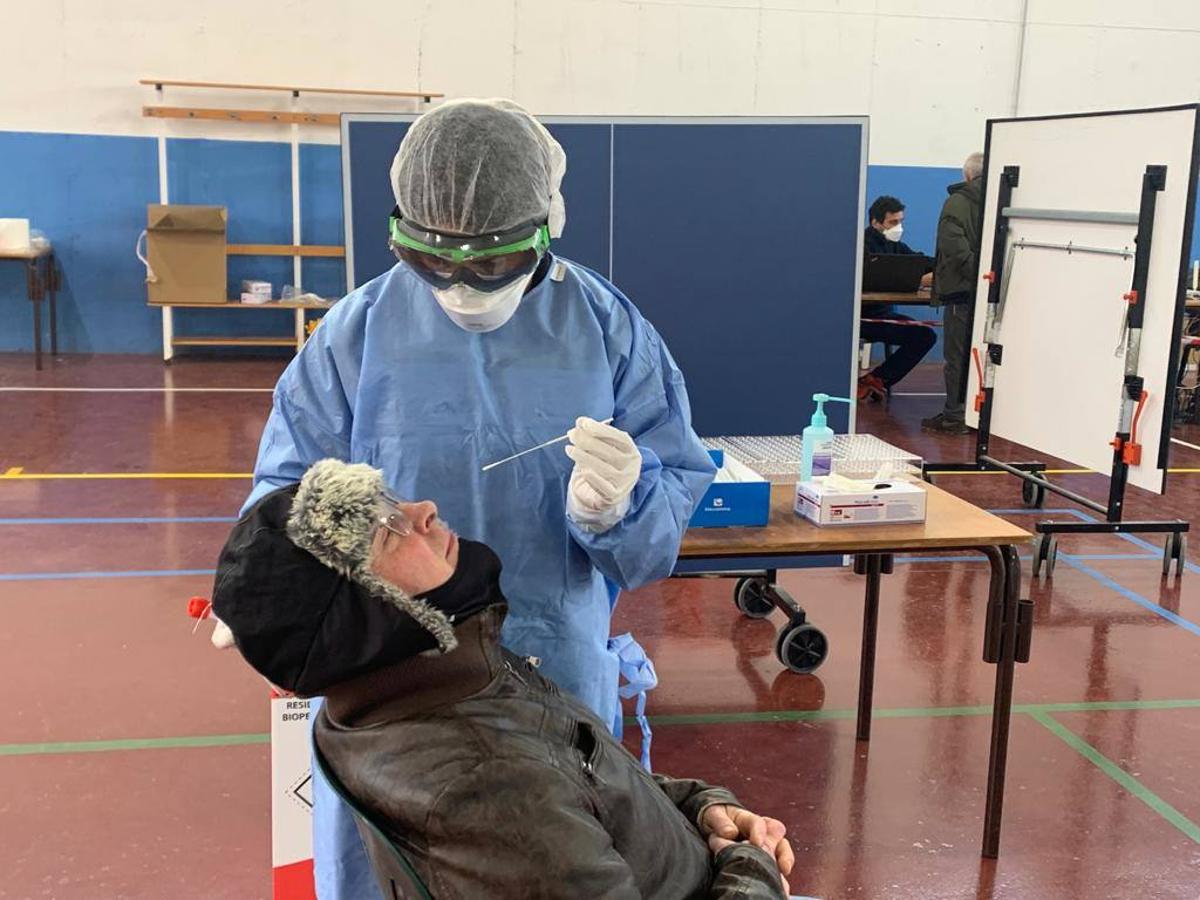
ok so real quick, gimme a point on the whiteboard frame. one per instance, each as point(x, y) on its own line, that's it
point(1164, 381)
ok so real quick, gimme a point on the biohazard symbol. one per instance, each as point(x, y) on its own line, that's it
point(301, 793)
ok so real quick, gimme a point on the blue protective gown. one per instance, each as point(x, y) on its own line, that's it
point(389, 380)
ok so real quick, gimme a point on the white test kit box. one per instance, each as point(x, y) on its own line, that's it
point(845, 502)
point(256, 291)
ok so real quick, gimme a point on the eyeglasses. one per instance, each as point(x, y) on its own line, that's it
point(486, 263)
point(389, 515)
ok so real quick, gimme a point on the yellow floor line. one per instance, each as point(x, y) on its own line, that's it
point(1052, 472)
point(13, 472)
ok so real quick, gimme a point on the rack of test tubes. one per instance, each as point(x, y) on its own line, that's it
point(855, 456)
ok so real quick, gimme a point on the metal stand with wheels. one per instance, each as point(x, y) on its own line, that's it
point(1126, 449)
point(800, 645)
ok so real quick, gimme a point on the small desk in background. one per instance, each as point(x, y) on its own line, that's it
point(41, 279)
point(916, 298)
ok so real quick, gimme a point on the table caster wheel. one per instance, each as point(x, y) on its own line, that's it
point(750, 596)
point(802, 648)
point(1046, 552)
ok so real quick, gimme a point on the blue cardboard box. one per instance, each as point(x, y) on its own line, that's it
point(745, 502)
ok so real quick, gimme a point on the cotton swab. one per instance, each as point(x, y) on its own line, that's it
point(550, 443)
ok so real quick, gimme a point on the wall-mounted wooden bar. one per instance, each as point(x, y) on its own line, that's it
point(285, 250)
point(256, 116)
point(416, 95)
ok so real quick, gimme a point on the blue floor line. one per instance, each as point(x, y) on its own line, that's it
point(148, 573)
point(130, 520)
point(981, 559)
point(1129, 594)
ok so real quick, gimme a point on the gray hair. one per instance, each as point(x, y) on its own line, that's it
point(973, 166)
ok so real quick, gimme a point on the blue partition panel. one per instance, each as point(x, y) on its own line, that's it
point(740, 242)
point(739, 239)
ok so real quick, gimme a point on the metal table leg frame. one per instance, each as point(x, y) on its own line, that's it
point(873, 566)
point(1006, 641)
point(53, 283)
point(34, 287)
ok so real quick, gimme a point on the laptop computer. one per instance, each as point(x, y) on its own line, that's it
point(894, 273)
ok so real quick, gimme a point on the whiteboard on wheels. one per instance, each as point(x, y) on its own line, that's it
point(1059, 387)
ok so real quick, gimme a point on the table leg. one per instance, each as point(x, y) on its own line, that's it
point(33, 287)
point(873, 566)
point(1005, 587)
point(52, 286)
point(168, 334)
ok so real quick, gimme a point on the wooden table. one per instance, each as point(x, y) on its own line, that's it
point(41, 279)
point(951, 524)
point(916, 298)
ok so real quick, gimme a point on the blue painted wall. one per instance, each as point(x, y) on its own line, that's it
point(89, 193)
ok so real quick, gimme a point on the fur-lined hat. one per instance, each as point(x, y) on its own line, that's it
point(294, 585)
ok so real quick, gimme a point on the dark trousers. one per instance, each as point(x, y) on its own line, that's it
point(956, 343)
point(912, 342)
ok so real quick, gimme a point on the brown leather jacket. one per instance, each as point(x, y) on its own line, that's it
point(496, 786)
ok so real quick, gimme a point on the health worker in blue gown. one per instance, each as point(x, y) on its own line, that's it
point(478, 344)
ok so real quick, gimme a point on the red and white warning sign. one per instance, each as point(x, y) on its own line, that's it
point(291, 800)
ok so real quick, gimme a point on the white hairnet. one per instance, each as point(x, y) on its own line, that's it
point(973, 166)
point(479, 166)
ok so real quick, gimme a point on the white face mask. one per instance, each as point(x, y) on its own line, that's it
point(473, 310)
point(894, 233)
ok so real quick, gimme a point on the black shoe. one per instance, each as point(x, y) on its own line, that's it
point(942, 425)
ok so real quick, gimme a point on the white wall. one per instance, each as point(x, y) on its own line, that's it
point(928, 72)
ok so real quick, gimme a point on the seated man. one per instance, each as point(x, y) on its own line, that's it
point(912, 342)
point(490, 781)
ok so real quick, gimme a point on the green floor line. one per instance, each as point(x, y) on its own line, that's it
point(784, 715)
point(1119, 775)
point(1105, 705)
point(825, 715)
point(203, 740)
point(812, 715)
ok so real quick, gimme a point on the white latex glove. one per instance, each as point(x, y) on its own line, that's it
point(607, 466)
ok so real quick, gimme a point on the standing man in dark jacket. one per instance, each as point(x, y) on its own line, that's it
point(956, 277)
point(487, 778)
point(912, 342)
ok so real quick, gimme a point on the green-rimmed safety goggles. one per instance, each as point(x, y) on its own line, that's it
point(486, 263)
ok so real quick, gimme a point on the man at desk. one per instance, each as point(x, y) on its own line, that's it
point(912, 342)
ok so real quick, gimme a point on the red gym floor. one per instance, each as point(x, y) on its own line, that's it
point(134, 757)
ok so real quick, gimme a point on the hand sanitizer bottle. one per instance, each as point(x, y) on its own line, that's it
point(816, 446)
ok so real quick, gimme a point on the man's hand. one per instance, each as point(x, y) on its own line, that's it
point(927, 280)
point(724, 825)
